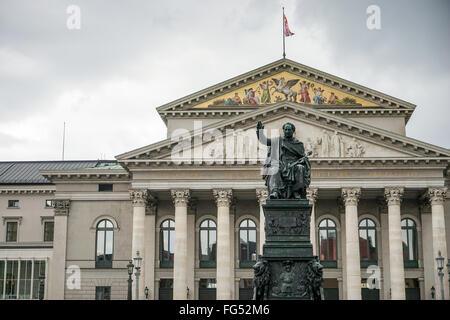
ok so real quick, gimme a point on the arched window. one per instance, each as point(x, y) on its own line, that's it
point(247, 243)
point(208, 244)
point(327, 243)
point(409, 237)
point(104, 244)
point(166, 243)
point(367, 242)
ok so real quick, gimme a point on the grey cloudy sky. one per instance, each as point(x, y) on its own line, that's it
point(129, 57)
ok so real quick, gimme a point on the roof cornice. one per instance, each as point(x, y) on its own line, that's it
point(324, 78)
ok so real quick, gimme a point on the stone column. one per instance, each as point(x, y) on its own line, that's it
point(350, 197)
point(139, 201)
point(436, 197)
point(427, 243)
point(384, 222)
point(191, 257)
point(180, 199)
point(312, 194)
point(150, 248)
point(397, 272)
point(262, 195)
point(57, 281)
point(223, 278)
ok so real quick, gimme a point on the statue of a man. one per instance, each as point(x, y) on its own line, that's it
point(287, 170)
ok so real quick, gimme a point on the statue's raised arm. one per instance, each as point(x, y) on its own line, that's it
point(260, 134)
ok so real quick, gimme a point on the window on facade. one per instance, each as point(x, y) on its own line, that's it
point(11, 231)
point(367, 242)
point(105, 187)
point(13, 203)
point(166, 240)
point(104, 244)
point(49, 203)
point(409, 237)
point(327, 243)
point(22, 279)
point(102, 293)
point(48, 230)
point(247, 243)
point(208, 244)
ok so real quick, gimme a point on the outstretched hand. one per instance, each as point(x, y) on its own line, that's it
point(259, 126)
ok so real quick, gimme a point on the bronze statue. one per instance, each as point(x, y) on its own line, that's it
point(261, 279)
point(287, 170)
point(315, 276)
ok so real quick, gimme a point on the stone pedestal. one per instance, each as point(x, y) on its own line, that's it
point(288, 250)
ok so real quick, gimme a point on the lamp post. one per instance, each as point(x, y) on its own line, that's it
point(448, 269)
point(41, 286)
point(146, 292)
point(130, 267)
point(137, 265)
point(433, 292)
point(440, 267)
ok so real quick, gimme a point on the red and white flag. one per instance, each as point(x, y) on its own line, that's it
point(287, 32)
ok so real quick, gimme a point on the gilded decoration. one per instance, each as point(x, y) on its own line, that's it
point(285, 86)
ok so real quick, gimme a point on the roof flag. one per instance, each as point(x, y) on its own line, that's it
point(286, 33)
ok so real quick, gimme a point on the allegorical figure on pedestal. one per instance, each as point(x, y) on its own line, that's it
point(287, 170)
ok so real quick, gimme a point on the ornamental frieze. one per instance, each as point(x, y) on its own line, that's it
point(292, 223)
point(334, 144)
point(61, 207)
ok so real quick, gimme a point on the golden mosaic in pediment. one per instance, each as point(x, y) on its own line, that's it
point(285, 86)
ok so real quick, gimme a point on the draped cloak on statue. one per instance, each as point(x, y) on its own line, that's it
point(286, 164)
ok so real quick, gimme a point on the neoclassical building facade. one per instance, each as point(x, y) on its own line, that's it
point(191, 205)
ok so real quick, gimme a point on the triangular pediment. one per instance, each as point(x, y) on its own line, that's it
point(285, 80)
point(326, 135)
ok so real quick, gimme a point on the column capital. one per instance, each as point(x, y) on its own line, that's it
point(312, 194)
point(152, 205)
point(138, 197)
point(350, 196)
point(436, 195)
point(393, 195)
point(180, 197)
point(262, 195)
point(223, 197)
point(61, 207)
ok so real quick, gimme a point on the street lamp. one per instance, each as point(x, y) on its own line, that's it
point(130, 267)
point(187, 292)
point(146, 292)
point(137, 265)
point(440, 267)
point(41, 286)
point(448, 269)
point(433, 292)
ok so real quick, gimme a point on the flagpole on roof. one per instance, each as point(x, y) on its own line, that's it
point(284, 36)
